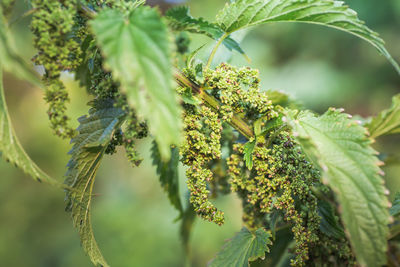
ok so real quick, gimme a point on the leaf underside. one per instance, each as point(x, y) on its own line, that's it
point(388, 121)
point(350, 166)
point(245, 246)
point(246, 13)
point(137, 50)
point(95, 132)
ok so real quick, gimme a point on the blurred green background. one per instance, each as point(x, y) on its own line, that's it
point(133, 221)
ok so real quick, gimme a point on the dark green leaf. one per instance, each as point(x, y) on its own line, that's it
point(169, 175)
point(350, 166)
point(395, 209)
point(181, 20)
point(387, 122)
point(246, 13)
point(329, 222)
point(245, 246)
point(137, 51)
point(95, 132)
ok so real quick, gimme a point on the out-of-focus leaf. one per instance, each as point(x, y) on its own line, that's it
point(137, 51)
point(349, 165)
point(245, 246)
point(388, 121)
point(10, 59)
point(246, 13)
point(10, 148)
point(95, 132)
point(169, 175)
point(395, 209)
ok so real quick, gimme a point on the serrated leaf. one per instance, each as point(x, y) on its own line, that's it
point(10, 148)
point(329, 222)
point(246, 13)
point(395, 209)
point(180, 19)
point(94, 134)
point(245, 246)
point(248, 153)
point(10, 59)
point(387, 122)
point(137, 51)
point(169, 175)
point(350, 166)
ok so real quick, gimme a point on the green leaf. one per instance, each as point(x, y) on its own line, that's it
point(169, 175)
point(137, 51)
point(350, 166)
point(180, 20)
point(246, 13)
point(329, 222)
point(248, 153)
point(388, 121)
point(95, 132)
point(245, 246)
point(10, 148)
point(395, 209)
point(10, 59)
point(186, 227)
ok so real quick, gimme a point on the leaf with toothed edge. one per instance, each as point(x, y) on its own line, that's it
point(136, 47)
point(169, 176)
point(94, 134)
point(387, 122)
point(246, 13)
point(180, 19)
point(248, 153)
point(245, 246)
point(340, 147)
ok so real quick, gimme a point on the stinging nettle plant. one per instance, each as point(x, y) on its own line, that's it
point(309, 183)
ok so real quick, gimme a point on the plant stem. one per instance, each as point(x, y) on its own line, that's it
point(236, 122)
point(214, 51)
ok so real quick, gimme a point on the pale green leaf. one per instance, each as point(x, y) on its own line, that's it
point(245, 246)
point(387, 122)
point(169, 175)
point(94, 134)
point(246, 13)
point(10, 148)
point(137, 50)
point(10, 59)
point(350, 167)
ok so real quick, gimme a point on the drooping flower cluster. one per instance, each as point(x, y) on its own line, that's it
point(53, 26)
point(202, 135)
point(281, 180)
